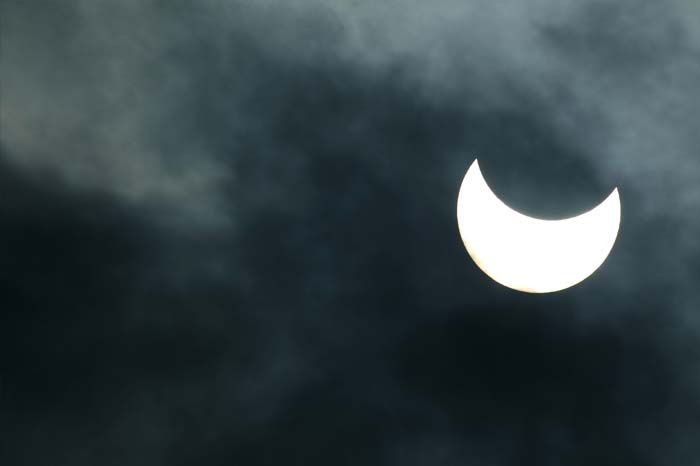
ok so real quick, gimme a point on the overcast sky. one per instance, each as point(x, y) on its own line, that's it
point(228, 232)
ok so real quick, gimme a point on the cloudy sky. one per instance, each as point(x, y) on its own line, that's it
point(228, 233)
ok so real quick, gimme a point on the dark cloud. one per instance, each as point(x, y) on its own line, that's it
point(622, 37)
point(228, 234)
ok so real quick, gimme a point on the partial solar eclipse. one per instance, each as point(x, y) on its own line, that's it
point(530, 254)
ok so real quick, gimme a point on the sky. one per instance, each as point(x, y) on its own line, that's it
point(228, 232)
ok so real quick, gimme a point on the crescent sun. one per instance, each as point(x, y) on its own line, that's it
point(530, 254)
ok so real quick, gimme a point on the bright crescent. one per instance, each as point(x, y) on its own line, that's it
point(530, 254)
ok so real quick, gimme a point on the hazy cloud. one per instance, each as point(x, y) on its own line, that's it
point(228, 232)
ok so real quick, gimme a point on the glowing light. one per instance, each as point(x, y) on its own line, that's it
point(530, 254)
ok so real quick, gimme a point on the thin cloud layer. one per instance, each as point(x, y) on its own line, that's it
point(229, 232)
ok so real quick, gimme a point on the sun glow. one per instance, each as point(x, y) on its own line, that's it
point(530, 254)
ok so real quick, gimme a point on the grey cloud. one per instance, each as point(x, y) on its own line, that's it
point(314, 303)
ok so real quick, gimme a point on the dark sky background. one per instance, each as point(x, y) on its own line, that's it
point(228, 233)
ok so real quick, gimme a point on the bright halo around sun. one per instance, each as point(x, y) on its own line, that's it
point(530, 254)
